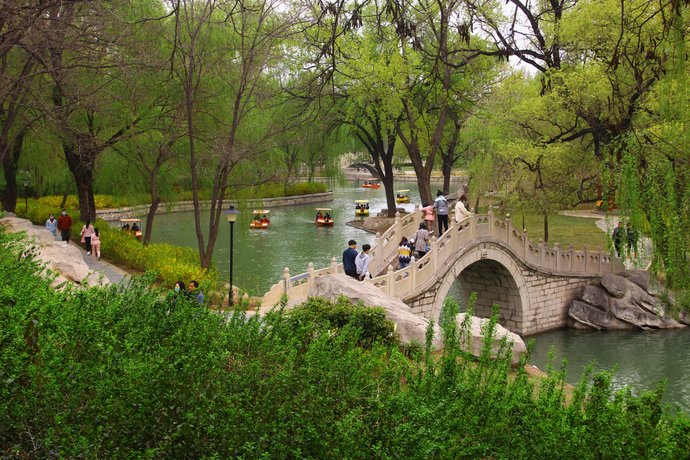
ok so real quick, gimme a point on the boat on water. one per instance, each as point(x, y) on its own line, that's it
point(371, 184)
point(361, 207)
point(402, 196)
point(260, 219)
point(323, 217)
point(132, 225)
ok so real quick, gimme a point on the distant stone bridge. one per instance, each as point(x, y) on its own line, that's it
point(532, 283)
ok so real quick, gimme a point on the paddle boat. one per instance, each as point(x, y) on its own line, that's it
point(371, 184)
point(260, 219)
point(131, 225)
point(402, 196)
point(323, 217)
point(362, 208)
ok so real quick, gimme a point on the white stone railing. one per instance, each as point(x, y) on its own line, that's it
point(423, 273)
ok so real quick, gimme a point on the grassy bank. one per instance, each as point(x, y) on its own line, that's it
point(130, 372)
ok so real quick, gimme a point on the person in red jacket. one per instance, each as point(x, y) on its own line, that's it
point(64, 224)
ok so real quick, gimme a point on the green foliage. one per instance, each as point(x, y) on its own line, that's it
point(324, 316)
point(130, 372)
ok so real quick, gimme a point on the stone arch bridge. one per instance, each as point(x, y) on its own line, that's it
point(532, 283)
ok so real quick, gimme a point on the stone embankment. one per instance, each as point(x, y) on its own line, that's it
point(62, 259)
point(627, 301)
point(185, 206)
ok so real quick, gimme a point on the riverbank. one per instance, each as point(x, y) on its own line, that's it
point(111, 215)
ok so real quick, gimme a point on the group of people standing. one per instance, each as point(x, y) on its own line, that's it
point(89, 235)
point(628, 235)
point(193, 293)
point(356, 264)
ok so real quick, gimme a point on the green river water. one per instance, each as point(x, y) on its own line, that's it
point(640, 359)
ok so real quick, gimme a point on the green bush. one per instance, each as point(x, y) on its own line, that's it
point(131, 372)
point(323, 315)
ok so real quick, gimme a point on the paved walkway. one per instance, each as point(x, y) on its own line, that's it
point(113, 273)
point(607, 223)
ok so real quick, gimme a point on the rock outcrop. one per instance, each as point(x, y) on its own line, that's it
point(628, 300)
point(410, 326)
point(63, 259)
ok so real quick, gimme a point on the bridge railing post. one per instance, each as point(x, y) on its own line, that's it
point(542, 252)
point(508, 227)
point(434, 252)
point(586, 255)
point(571, 250)
point(473, 227)
point(413, 274)
point(491, 221)
point(557, 251)
point(525, 245)
point(286, 281)
point(310, 274)
point(391, 281)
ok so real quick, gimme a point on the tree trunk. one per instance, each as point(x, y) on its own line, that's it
point(81, 166)
point(9, 197)
point(155, 201)
point(447, 170)
point(546, 227)
point(10, 163)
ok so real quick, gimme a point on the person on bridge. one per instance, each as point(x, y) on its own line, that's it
point(362, 263)
point(404, 253)
point(428, 212)
point(349, 256)
point(461, 212)
point(617, 237)
point(421, 240)
point(441, 207)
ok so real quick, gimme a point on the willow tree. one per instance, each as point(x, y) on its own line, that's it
point(226, 55)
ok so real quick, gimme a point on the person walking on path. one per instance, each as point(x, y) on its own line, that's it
point(421, 240)
point(96, 244)
point(349, 256)
point(86, 234)
point(64, 224)
point(404, 253)
point(51, 225)
point(441, 207)
point(428, 212)
point(362, 263)
point(617, 237)
point(461, 211)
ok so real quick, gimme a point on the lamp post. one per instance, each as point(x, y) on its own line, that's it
point(232, 214)
point(26, 194)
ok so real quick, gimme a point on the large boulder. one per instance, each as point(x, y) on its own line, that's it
point(595, 318)
point(410, 326)
point(624, 301)
point(65, 260)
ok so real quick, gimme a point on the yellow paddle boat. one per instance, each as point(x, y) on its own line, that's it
point(362, 208)
point(260, 219)
point(323, 217)
point(402, 196)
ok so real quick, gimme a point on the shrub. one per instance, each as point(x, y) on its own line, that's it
point(131, 372)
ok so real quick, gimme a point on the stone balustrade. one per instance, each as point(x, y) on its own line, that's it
point(423, 274)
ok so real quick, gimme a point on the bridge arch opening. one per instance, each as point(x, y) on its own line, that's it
point(496, 277)
point(494, 285)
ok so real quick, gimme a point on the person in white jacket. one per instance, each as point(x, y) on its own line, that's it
point(461, 211)
point(362, 263)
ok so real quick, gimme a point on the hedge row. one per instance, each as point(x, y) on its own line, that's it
point(130, 372)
